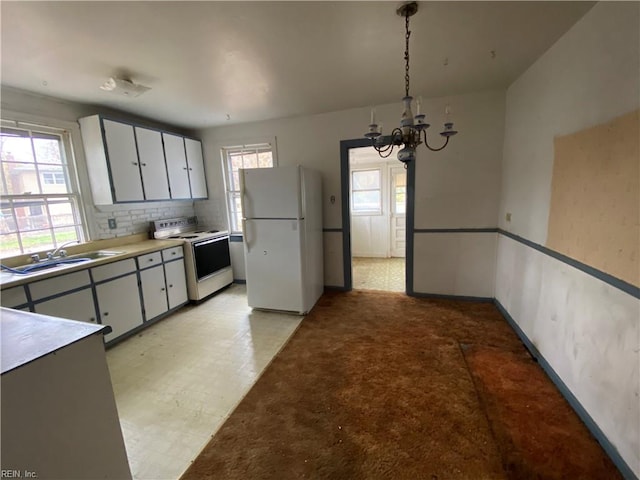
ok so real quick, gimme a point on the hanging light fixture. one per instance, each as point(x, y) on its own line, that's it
point(412, 129)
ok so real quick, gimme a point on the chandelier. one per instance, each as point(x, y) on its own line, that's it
point(412, 129)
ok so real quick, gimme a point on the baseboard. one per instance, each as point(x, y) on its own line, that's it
point(336, 288)
point(607, 446)
point(465, 298)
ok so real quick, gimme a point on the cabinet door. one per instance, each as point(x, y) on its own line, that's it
point(119, 305)
point(73, 306)
point(195, 164)
point(176, 165)
point(123, 161)
point(13, 297)
point(152, 165)
point(176, 283)
point(154, 292)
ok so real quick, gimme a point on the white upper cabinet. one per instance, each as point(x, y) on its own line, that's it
point(195, 164)
point(129, 163)
point(123, 162)
point(152, 165)
point(176, 165)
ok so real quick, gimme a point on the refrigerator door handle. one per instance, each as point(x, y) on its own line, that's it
point(246, 235)
point(243, 201)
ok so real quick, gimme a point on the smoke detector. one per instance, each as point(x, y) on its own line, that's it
point(124, 87)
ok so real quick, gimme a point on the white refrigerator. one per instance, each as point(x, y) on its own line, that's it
point(282, 227)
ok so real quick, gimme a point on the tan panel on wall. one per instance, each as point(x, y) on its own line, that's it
point(595, 197)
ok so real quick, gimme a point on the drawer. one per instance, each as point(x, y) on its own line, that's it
point(115, 269)
point(149, 260)
point(172, 253)
point(59, 284)
point(12, 297)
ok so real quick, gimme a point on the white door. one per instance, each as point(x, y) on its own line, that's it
point(123, 161)
point(274, 264)
point(195, 164)
point(176, 165)
point(154, 292)
point(119, 305)
point(152, 165)
point(398, 211)
point(271, 192)
point(176, 283)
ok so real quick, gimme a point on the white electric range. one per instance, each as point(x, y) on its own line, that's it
point(206, 253)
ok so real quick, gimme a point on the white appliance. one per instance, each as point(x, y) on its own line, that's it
point(282, 225)
point(206, 254)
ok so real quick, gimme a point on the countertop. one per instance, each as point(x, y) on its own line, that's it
point(28, 336)
point(130, 246)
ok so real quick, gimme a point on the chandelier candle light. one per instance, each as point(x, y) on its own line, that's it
point(412, 129)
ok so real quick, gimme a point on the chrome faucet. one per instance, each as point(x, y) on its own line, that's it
point(63, 253)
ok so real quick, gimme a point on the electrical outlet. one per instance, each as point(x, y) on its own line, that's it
point(112, 223)
point(507, 217)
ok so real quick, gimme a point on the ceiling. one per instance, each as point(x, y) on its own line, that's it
point(215, 63)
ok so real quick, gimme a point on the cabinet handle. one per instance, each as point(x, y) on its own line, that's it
point(173, 253)
point(135, 163)
point(162, 289)
point(190, 168)
point(106, 314)
point(143, 164)
point(170, 286)
point(92, 319)
point(184, 168)
point(151, 259)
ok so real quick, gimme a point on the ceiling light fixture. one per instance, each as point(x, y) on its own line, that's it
point(412, 129)
point(122, 86)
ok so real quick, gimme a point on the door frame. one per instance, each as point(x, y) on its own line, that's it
point(345, 146)
point(392, 169)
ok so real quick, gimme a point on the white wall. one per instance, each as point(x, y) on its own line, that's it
point(463, 180)
point(131, 217)
point(586, 330)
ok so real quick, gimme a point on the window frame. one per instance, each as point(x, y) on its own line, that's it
point(66, 134)
point(230, 193)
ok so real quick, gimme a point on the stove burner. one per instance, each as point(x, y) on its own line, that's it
point(189, 236)
point(175, 236)
point(213, 231)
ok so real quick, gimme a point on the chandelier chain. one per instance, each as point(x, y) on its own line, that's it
point(406, 55)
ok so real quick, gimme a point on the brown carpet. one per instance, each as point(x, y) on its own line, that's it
point(379, 385)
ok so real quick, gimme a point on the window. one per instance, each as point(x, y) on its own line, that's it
point(366, 193)
point(53, 178)
point(235, 158)
point(40, 203)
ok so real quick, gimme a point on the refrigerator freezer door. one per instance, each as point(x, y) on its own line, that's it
point(273, 260)
point(271, 192)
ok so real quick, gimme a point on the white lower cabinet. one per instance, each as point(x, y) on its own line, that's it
point(13, 297)
point(119, 305)
point(117, 300)
point(163, 287)
point(154, 292)
point(176, 283)
point(74, 306)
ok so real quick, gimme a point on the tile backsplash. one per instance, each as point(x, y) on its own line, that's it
point(134, 218)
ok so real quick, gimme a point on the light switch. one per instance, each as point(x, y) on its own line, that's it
point(508, 217)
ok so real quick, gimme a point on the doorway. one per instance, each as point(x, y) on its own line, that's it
point(377, 197)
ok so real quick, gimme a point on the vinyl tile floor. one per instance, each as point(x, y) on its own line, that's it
point(177, 381)
point(379, 274)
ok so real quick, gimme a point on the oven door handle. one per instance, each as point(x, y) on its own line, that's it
point(213, 240)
